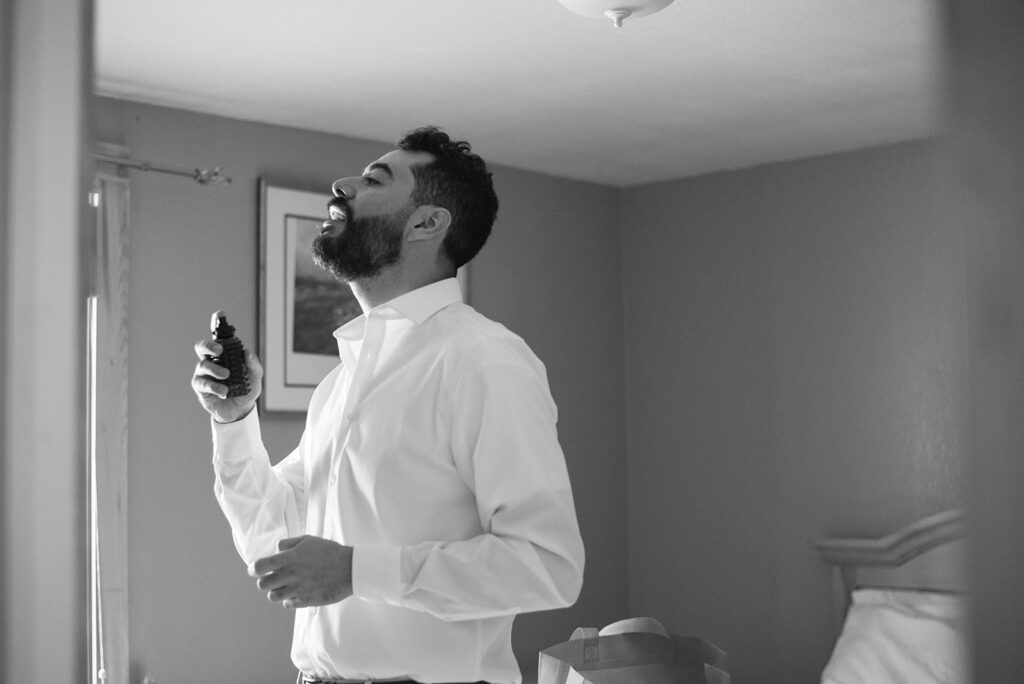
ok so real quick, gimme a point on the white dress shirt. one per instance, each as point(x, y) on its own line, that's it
point(432, 450)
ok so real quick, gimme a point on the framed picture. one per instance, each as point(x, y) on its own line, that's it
point(301, 305)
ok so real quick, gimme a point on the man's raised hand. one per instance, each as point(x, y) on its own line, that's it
point(212, 392)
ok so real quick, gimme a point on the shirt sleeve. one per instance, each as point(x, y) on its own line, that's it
point(505, 446)
point(263, 504)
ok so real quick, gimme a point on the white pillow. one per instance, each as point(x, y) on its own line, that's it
point(901, 637)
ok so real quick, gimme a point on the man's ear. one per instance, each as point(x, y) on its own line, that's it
point(428, 222)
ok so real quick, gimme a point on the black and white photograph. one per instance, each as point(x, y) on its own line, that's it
point(511, 341)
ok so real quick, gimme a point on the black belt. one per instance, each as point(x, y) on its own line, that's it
point(306, 679)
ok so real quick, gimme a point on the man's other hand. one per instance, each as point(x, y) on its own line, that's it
point(307, 571)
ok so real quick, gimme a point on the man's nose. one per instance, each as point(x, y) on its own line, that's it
point(344, 187)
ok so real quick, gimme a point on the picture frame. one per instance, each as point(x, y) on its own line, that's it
point(300, 304)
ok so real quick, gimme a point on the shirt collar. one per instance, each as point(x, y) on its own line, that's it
point(417, 305)
point(424, 302)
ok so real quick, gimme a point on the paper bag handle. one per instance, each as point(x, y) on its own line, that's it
point(640, 624)
point(589, 636)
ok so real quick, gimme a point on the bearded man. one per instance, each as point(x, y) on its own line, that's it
point(427, 502)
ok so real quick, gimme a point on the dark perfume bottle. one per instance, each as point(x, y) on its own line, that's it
point(232, 357)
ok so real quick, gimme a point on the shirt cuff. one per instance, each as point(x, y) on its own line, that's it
point(236, 442)
point(376, 573)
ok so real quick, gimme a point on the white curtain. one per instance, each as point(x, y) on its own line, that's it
point(107, 431)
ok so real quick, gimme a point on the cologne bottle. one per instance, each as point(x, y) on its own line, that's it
point(232, 357)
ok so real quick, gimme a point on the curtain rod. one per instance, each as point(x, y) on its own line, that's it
point(201, 176)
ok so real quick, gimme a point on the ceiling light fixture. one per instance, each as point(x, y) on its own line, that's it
point(616, 10)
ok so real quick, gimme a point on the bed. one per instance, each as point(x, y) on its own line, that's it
point(899, 604)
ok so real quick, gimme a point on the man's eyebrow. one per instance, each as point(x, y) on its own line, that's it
point(381, 166)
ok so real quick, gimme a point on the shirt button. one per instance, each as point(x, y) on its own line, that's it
point(333, 478)
point(350, 417)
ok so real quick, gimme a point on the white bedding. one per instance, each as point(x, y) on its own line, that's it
point(901, 637)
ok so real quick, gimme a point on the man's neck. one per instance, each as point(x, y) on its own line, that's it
point(388, 285)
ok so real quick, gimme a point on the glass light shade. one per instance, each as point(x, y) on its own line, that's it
point(616, 10)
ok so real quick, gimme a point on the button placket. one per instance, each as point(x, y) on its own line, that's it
point(373, 338)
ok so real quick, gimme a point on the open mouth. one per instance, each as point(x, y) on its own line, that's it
point(338, 217)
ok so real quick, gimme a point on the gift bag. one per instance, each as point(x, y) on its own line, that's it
point(634, 651)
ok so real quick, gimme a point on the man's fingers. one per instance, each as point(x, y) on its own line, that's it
point(206, 380)
point(269, 564)
point(255, 367)
point(265, 566)
point(279, 595)
point(205, 387)
point(306, 571)
point(208, 368)
point(207, 348)
point(289, 543)
point(287, 596)
point(272, 581)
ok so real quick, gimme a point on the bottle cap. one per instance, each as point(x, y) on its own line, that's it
point(220, 327)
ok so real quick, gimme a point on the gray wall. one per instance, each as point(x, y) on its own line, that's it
point(796, 363)
point(195, 615)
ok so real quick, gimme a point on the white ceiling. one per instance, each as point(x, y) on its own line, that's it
point(704, 85)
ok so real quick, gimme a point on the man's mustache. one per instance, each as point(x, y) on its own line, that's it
point(339, 203)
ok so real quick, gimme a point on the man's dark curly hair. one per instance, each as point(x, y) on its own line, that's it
point(459, 181)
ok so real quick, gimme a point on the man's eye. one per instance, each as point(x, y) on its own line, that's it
point(370, 180)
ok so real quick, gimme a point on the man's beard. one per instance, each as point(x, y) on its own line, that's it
point(364, 248)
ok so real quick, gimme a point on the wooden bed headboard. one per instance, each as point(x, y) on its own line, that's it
point(927, 555)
